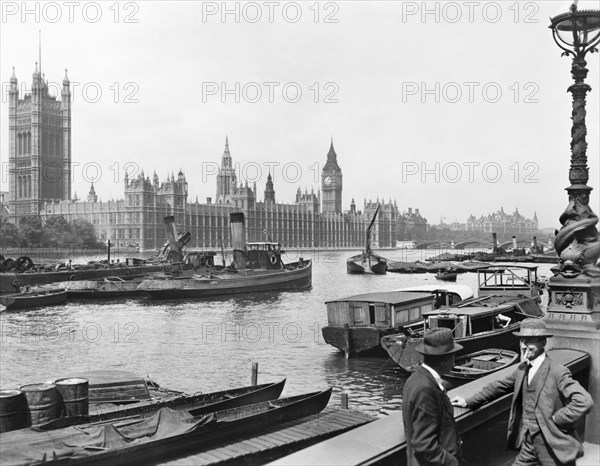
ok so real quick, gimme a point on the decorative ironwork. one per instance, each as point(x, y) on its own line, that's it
point(577, 243)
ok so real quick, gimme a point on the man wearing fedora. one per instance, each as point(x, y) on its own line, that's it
point(546, 403)
point(428, 416)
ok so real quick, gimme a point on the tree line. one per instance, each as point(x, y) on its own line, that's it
point(32, 232)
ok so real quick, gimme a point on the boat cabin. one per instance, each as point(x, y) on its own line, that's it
point(391, 309)
point(444, 295)
point(263, 255)
point(480, 319)
point(200, 258)
point(509, 280)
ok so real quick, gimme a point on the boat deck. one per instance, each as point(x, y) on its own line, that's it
point(277, 441)
point(483, 430)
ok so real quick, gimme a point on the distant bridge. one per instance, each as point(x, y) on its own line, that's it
point(474, 244)
point(521, 243)
point(433, 245)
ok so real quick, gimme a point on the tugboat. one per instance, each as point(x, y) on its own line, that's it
point(256, 267)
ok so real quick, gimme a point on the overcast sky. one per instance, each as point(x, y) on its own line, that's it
point(455, 108)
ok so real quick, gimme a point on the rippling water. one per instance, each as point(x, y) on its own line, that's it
point(211, 345)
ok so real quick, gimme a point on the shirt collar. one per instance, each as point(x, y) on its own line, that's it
point(537, 362)
point(436, 376)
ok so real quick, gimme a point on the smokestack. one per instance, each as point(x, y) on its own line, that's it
point(535, 245)
point(174, 249)
point(238, 239)
point(495, 241)
point(514, 239)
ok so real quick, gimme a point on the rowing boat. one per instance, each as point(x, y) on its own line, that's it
point(166, 434)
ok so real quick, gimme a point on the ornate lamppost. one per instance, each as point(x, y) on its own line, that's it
point(577, 32)
point(574, 303)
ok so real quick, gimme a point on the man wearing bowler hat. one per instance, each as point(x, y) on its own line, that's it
point(431, 436)
point(546, 403)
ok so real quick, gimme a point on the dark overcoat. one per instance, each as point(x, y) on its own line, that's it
point(560, 401)
point(431, 437)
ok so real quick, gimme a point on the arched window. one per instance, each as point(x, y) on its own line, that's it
point(19, 149)
point(29, 185)
point(28, 148)
point(19, 188)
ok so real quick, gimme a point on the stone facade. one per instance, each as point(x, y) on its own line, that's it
point(39, 146)
point(137, 220)
point(501, 222)
point(411, 226)
point(40, 184)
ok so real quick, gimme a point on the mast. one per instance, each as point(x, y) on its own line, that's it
point(368, 240)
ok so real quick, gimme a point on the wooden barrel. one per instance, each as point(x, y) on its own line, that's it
point(42, 403)
point(74, 396)
point(12, 410)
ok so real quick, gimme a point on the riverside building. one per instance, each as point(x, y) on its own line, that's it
point(40, 184)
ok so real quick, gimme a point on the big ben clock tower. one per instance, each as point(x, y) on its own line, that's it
point(331, 183)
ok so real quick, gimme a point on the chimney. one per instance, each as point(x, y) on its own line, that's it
point(209, 200)
point(417, 211)
point(174, 249)
point(410, 210)
point(238, 239)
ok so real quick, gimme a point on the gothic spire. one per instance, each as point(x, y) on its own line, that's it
point(331, 155)
point(331, 163)
point(226, 159)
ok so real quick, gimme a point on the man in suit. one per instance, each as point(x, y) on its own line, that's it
point(428, 416)
point(546, 403)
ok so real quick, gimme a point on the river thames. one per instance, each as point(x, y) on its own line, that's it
point(208, 345)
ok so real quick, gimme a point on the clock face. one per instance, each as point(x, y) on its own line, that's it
point(328, 180)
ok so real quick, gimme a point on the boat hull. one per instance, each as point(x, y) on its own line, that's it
point(495, 359)
point(171, 442)
point(27, 300)
point(44, 278)
point(402, 348)
point(446, 276)
point(363, 264)
point(354, 341)
point(219, 285)
point(196, 405)
point(102, 289)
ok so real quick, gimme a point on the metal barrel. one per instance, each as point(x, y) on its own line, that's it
point(12, 410)
point(73, 394)
point(42, 403)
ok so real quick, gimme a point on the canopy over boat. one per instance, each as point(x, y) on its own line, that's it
point(464, 291)
point(387, 297)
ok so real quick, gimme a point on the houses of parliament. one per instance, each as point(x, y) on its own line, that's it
point(40, 164)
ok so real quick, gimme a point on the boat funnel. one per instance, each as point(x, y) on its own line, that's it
point(238, 239)
point(174, 250)
point(514, 240)
point(495, 242)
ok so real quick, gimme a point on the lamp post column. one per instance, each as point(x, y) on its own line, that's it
point(573, 314)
